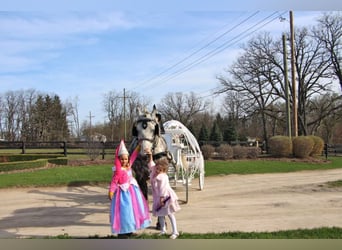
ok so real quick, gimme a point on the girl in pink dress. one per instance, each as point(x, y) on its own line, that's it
point(165, 200)
point(129, 209)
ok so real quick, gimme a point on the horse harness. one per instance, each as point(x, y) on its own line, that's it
point(153, 140)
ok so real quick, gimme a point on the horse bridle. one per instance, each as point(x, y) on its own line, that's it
point(154, 140)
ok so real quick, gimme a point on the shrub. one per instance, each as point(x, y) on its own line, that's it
point(318, 145)
point(302, 146)
point(207, 151)
point(239, 152)
point(280, 146)
point(225, 151)
point(253, 152)
point(19, 165)
point(59, 161)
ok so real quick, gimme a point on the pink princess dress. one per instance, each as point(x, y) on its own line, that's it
point(129, 209)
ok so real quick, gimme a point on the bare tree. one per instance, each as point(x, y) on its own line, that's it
point(182, 107)
point(12, 101)
point(325, 114)
point(26, 113)
point(134, 100)
point(256, 78)
point(72, 111)
point(313, 75)
point(329, 32)
point(113, 105)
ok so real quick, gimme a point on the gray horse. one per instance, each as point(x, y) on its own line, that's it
point(147, 131)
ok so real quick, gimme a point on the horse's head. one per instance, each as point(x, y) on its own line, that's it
point(146, 129)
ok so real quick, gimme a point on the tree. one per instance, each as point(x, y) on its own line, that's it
point(229, 133)
point(256, 77)
point(215, 133)
point(58, 125)
point(325, 114)
point(49, 119)
point(329, 32)
point(113, 106)
point(135, 100)
point(181, 107)
point(312, 71)
point(72, 107)
point(204, 133)
point(10, 113)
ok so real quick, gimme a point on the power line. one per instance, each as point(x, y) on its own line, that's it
point(245, 33)
point(221, 48)
point(197, 51)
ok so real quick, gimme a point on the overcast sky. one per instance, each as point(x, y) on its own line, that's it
point(87, 51)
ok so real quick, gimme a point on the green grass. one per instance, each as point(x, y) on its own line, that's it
point(58, 176)
point(316, 233)
point(267, 166)
point(96, 174)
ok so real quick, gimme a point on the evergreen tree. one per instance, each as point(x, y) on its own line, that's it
point(49, 120)
point(215, 134)
point(203, 134)
point(229, 134)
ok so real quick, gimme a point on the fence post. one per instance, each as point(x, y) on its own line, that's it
point(326, 150)
point(103, 150)
point(64, 148)
point(23, 147)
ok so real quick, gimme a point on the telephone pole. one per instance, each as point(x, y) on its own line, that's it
point(288, 114)
point(124, 97)
point(124, 111)
point(293, 76)
point(90, 127)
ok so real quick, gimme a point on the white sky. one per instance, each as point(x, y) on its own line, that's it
point(76, 49)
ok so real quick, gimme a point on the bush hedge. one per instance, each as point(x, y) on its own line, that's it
point(302, 146)
point(20, 165)
point(318, 145)
point(207, 151)
point(225, 151)
point(280, 146)
point(27, 161)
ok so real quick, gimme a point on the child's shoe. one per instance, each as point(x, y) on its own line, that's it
point(174, 236)
point(162, 233)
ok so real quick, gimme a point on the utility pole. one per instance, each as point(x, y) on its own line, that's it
point(288, 114)
point(124, 111)
point(293, 76)
point(90, 116)
point(124, 96)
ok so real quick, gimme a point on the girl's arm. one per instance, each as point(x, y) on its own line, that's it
point(163, 181)
point(151, 163)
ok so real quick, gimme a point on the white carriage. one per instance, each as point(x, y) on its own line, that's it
point(188, 159)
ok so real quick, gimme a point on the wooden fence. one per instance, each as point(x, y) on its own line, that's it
point(60, 147)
